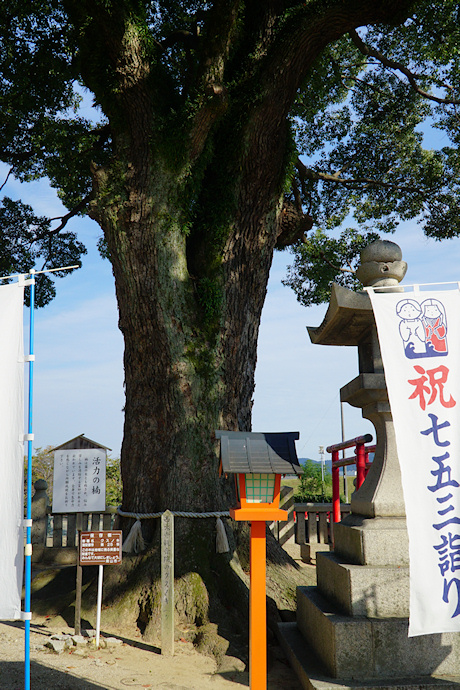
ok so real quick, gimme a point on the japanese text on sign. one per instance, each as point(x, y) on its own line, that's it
point(100, 547)
point(79, 481)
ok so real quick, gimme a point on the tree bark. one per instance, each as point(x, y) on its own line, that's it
point(190, 300)
point(191, 209)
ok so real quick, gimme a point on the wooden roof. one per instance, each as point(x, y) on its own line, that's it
point(80, 442)
point(246, 452)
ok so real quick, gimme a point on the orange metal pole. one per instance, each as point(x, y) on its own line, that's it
point(257, 609)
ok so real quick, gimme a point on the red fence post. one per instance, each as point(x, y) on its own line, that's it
point(361, 469)
point(360, 464)
point(335, 487)
point(369, 449)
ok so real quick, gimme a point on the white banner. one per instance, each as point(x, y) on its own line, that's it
point(11, 450)
point(419, 336)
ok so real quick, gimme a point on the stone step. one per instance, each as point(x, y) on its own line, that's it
point(379, 541)
point(309, 552)
point(313, 677)
point(363, 590)
point(366, 648)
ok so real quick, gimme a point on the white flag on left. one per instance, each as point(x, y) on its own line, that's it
point(11, 450)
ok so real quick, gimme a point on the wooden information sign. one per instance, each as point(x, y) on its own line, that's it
point(100, 547)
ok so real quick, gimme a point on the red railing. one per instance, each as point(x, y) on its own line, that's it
point(360, 459)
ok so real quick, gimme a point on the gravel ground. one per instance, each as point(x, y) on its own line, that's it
point(123, 663)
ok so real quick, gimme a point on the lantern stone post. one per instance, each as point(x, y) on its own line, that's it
point(349, 321)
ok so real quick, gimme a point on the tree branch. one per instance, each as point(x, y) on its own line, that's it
point(212, 52)
point(65, 219)
point(336, 268)
point(393, 64)
point(355, 182)
point(275, 77)
point(6, 178)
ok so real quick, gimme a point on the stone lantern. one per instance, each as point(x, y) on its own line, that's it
point(356, 620)
point(349, 321)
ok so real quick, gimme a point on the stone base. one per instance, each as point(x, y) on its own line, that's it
point(313, 677)
point(308, 551)
point(372, 541)
point(371, 648)
point(357, 590)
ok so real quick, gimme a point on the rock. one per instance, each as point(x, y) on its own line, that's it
point(113, 642)
point(79, 651)
point(79, 640)
point(231, 664)
point(39, 648)
point(61, 636)
point(57, 646)
point(89, 633)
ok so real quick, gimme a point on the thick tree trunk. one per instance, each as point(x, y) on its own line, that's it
point(180, 386)
point(191, 260)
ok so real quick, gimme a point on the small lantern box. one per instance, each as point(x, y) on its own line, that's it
point(258, 460)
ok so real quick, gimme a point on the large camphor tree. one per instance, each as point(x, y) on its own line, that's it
point(192, 169)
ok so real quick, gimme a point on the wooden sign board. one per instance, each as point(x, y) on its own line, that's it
point(79, 480)
point(100, 547)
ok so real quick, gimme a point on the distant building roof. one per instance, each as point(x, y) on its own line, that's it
point(245, 452)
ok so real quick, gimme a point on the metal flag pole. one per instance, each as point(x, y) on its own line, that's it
point(27, 614)
point(28, 547)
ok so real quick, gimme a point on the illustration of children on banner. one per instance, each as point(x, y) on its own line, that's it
point(423, 328)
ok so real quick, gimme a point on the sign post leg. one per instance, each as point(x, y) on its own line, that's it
point(99, 604)
point(79, 578)
point(167, 583)
point(257, 609)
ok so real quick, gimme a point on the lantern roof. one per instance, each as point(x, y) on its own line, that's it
point(248, 452)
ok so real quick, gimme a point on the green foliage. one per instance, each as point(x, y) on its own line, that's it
point(113, 483)
point(320, 260)
point(42, 467)
point(360, 128)
point(25, 240)
point(357, 123)
point(313, 488)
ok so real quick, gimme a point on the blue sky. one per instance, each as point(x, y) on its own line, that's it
point(78, 381)
point(297, 383)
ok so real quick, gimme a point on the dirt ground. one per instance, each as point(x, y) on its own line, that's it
point(124, 663)
point(129, 664)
